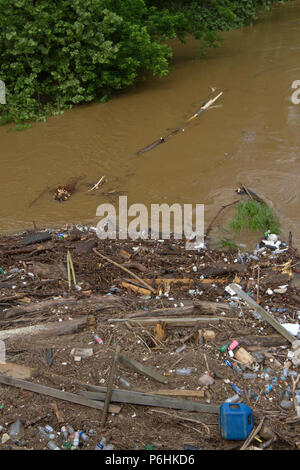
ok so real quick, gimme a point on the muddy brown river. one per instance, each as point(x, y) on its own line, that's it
point(251, 137)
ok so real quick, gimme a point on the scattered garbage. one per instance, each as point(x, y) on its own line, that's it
point(186, 326)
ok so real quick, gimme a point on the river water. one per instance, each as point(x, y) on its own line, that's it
point(250, 137)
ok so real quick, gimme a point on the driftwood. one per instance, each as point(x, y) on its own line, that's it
point(47, 329)
point(199, 306)
point(141, 368)
point(170, 321)
point(101, 301)
point(53, 392)
point(108, 394)
point(148, 399)
point(17, 371)
point(265, 315)
point(222, 268)
point(126, 270)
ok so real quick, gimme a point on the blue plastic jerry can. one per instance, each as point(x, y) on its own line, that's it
point(235, 421)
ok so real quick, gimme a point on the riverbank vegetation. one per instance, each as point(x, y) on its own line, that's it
point(58, 53)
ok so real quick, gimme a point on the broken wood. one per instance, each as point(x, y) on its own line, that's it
point(180, 393)
point(108, 395)
point(101, 301)
point(17, 371)
point(266, 316)
point(141, 368)
point(223, 268)
point(147, 399)
point(53, 392)
point(126, 270)
point(136, 289)
point(189, 321)
point(48, 329)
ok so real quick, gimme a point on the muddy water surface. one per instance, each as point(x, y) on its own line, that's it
point(251, 137)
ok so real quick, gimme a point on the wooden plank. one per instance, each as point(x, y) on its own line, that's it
point(265, 315)
point(141, 368)
point(53, 392)
point(147, 399)
point(109, 387)
point(189, 321)
point(198, 306)
point(180, 393)
point(16, 371)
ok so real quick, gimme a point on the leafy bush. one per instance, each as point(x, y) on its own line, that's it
point(57, 53)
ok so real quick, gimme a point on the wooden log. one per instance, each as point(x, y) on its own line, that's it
point(189, 321)
point(148, 399)
point(223, 268)
point(198, 306)
point(47, 329)
point(102, 301)
point(53, 392)
point(136, 289)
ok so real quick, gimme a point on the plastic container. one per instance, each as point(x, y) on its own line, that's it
point(235, 421)
point(52, 446)
point(16, 430)
point(101, 444)
point(186, 371)
point(235, 398)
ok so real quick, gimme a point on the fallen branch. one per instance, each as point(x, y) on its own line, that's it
point(109, 387)
point(126, 270)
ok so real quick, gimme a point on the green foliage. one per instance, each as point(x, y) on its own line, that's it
point(58, 53)
point(252, 215)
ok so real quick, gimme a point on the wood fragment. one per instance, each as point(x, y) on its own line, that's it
point(53, 392)
point(136, 289)
point(141, 368)
point(148, 399)
point(17, 371)
point(170, 321)
point(266, 316)
point(109, 387)
point(126, 270)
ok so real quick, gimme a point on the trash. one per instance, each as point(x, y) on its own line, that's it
point(52, 445)
point(99, 340)
point(234, 399)
point(243, 356)
point(235, 421)
point(101, 444)
point(206, 379)
point(185, 371)
point(16, 430)
point(292, 328)
point(124, 382)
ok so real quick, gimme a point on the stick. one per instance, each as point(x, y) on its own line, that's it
point(252, 435)
point(125, 269)
point(141, 368)
point(191, 321)
point(205, 106)
point(109, 387)
point(53, 392)
point(217, 215)
point(266, 316)
point(182, 418)
point(97, 184)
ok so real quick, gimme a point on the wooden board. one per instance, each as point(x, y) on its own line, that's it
point(140, 398)
point(53, 392)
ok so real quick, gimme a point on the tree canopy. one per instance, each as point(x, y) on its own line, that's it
point(57, 53)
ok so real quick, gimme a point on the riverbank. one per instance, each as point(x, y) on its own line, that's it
point(166, 308)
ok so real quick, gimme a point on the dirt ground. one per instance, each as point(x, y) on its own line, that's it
point(35, 273)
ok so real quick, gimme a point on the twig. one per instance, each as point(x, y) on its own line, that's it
point(97, 184)
point(183, 418)
point(126, 270)
point(109, 386)
point(252, 435)
point(217, 215)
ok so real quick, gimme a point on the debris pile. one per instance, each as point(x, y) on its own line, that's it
point(139, 344)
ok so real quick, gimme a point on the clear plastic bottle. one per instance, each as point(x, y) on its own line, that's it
point(101, 444)
point(124, 382)
point(285, 372)
point(185, 371)
point(52, 445)
point(64, 432)
point(75, 442)
point(43, 432)
point(16, 430)
point(182, 348)
point(234, 399)
point(83, 436)
point(249, 375)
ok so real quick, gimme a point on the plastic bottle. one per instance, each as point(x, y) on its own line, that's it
point(76, 440)
point(285, 372)
point(182, 348)
point(64, 432)
point(70, 429)
point(43, 432)
point(235, 398)
point(52, 445)
point(186, 371)
point(287, 393)
point(268, 389)
point(101, 444)
point(83, 436)
point(16, 430)
point(124, 382)
point(236, 388)
point(237, 369)
point(99, 340)
point(249, 375)
point(48, 428)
